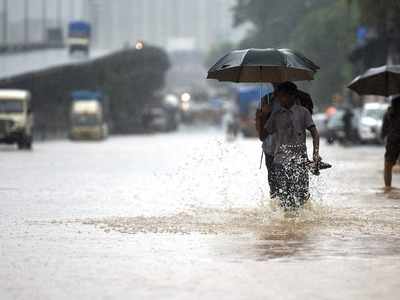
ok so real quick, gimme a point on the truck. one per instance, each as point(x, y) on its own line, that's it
point(88, 116)
point(248, 100)
point(79, 37)
point(16, 118)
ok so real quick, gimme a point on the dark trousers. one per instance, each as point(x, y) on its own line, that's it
point(291, 184)
point(269, 160)
point(392, 153)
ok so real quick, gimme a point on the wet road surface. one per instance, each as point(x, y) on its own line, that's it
point(187, 216)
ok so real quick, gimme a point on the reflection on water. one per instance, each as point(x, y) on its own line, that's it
point(393, 194)
point(312, 232)
point(347, 217)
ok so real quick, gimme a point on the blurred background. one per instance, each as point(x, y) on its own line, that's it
point(148, 59)
point(144, 180)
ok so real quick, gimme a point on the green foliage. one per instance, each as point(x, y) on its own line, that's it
point(321, 29)
point(383, 15)
point(273, 20)
point(326, 35)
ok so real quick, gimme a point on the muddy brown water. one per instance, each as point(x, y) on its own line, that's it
point(132, 219)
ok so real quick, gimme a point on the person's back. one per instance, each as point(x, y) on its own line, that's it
point(268, 106)
point(391, 131)
point(391, 125)
point(348, 123)
point(305, 100)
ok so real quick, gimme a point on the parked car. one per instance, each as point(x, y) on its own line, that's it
point(370, 123)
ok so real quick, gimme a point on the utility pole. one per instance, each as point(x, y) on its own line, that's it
point(85, 10)
point(26, 22)
point(94, 8)
point(72, 9)
point(44, 20)
point(393, 37)
point(59, 14)
point(5, 22)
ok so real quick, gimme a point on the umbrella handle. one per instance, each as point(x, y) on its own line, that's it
point(261, 160)
point(260, 89)
point(260, 94)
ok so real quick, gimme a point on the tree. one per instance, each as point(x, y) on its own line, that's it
point(272, 20)
point(321, 29)
point(383, 18)
point(384, 15)
point(326, 35)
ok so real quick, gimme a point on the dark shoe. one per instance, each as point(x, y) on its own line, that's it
point(314, 167)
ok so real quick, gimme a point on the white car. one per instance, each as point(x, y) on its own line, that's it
point(370, 124)
point(321, 121)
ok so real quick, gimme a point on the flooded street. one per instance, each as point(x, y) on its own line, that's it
point(188, 216)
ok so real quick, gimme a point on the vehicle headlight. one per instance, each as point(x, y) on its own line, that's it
point(365, 126)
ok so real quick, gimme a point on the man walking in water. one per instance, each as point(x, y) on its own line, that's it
point(391, 131)
point(268, 105)
point(288, 125)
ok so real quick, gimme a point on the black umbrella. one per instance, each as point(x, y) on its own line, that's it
point(382, 81)
point(263, 65)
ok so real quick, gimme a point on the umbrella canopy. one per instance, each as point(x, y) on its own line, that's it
point(263, 65)
point(382, 81)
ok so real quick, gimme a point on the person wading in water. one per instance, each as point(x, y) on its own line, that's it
point(288, 126)
point(391, 131)
point(268, 105)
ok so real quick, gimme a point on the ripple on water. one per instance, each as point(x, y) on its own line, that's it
point(314, 231)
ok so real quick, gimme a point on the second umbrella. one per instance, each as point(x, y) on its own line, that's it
point(382, 81)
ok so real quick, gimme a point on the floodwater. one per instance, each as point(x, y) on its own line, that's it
point(187, 216)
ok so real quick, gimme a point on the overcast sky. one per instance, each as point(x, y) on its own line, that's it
point(120, 21)
point(68, 8)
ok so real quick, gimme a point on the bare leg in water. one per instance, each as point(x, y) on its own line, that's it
point(388, 175)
